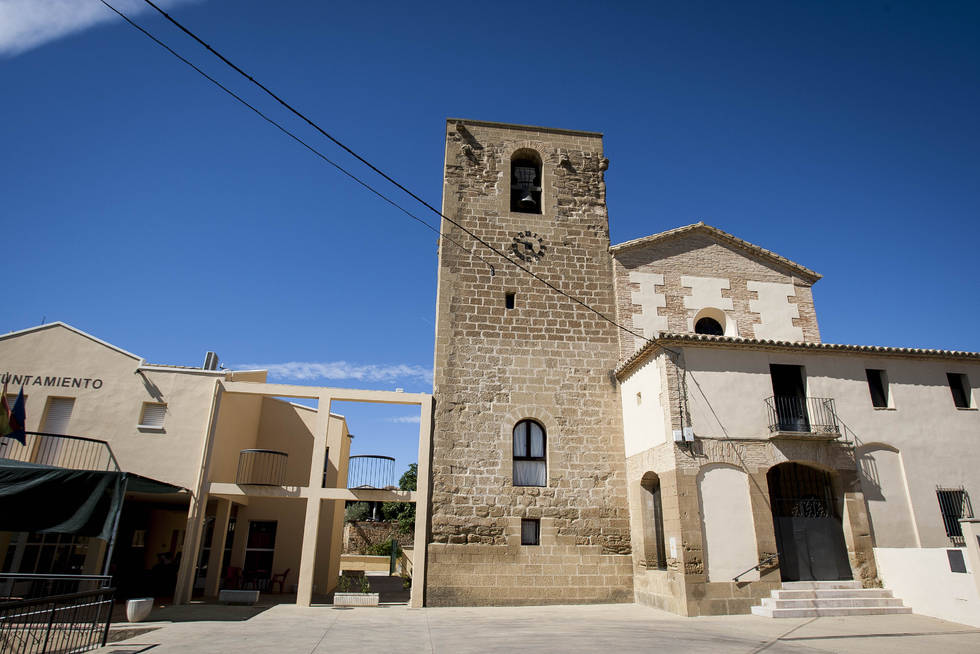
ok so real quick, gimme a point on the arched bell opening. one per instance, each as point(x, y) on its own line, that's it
point(807, 507)
point(525, 181)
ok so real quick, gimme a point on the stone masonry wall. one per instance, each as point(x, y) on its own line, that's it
point(358, 536)
point(697, 254)
point(548, 359)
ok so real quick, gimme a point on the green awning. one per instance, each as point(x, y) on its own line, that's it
point(40, 498)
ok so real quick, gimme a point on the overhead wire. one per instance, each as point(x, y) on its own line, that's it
point(377, 170)
point(373, 168)
point(293, 136)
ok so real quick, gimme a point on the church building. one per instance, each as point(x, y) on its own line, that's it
point(659, 421)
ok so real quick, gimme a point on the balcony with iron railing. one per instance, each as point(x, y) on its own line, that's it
point(61, 451)
point(261, 468)
point(795, 416)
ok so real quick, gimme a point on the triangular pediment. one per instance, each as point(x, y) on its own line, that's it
point(700, 235)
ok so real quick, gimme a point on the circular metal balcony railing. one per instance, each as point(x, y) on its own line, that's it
point(261, 468)
point(370, 471)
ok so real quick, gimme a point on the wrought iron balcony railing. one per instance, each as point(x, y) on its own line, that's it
point(261, 468)
point(60, 451)
point(796, 414)
point(370, 471)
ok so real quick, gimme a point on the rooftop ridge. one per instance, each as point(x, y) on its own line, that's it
point(536, 128)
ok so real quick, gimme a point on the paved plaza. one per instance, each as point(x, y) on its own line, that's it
point(286, 628)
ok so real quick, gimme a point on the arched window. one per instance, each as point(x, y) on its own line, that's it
point(709, 326)
point(530, 468)
point(525, 182)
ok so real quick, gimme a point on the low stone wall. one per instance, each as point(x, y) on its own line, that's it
point(358, 536)
point(513, 575)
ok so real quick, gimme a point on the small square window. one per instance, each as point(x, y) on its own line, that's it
point(153, 414)
point(509, 300)
point(878, 387)
point(959, 386)
point(530, 532)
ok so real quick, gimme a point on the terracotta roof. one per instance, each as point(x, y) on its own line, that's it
point(731, 239)
point(664, 339)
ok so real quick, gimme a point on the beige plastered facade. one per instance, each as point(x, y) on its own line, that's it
point(211, 417)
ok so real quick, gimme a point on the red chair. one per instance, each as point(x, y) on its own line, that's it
point(279, 579)
point(233, 578)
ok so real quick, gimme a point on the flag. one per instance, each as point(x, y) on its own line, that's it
point(12, 422)
point(4, 413)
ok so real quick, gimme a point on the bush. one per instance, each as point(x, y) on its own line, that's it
point(357, 511)
point(380, 549)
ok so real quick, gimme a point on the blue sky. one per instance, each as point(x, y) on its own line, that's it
point(144, 206)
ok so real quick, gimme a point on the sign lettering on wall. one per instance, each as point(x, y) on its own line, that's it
point(49, 380)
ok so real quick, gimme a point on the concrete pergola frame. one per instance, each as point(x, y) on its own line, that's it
point(314, 494)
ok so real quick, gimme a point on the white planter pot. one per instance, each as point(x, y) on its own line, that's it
point(355, 599)
point(138, 610)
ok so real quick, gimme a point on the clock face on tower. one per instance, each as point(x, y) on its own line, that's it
point(528, 246)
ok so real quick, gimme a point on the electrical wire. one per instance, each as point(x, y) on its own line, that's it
point(380, 172)
point(296, 138)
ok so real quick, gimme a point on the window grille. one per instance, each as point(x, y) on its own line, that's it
point(954, 504)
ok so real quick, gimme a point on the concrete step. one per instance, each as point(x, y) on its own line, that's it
point(770, 612)
point(836, 603)
point(820, 585)
point(838, 593)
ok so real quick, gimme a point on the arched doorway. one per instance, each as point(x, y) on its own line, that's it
point(807, 521)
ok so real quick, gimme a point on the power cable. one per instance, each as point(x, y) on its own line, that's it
point(296, 138)
point(377, 170)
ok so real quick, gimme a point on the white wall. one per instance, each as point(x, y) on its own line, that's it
point(706, 293)
point(727, 523)
point(644, 418)
point(922, 579)
point(775, 311)
point(649, 323)
point(883, 481)
point(937, 441)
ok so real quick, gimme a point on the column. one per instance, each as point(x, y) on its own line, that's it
point(311, 527)
point(94, 555)
point(191, 549)
point(218, 542)
point(422, 505)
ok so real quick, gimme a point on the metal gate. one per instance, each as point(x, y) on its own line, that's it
point(809, 534)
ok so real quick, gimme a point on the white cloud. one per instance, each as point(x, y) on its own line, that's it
point(310, 370)
point(26, 24)
point(405, 419)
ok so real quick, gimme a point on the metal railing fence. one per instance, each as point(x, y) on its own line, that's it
point(61, 450)
point(794, 413)
point(261, 468)
point(59, 624)
point(22, 586)
point(370, 471)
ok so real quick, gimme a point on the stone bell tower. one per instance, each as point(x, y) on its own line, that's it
point(528, 502)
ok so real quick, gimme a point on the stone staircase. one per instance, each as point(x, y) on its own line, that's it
point(811, 599)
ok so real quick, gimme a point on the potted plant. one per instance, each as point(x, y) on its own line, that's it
point(364, 597)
